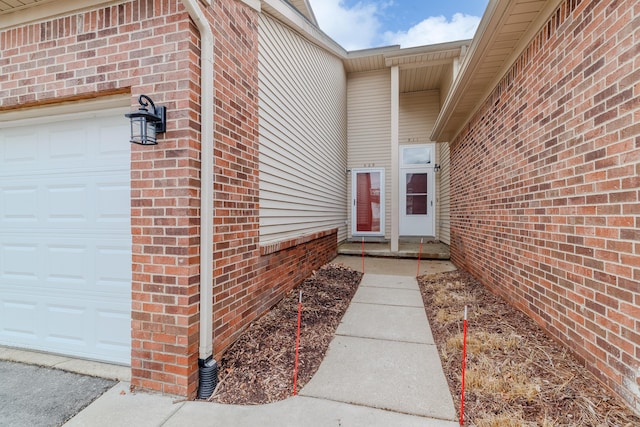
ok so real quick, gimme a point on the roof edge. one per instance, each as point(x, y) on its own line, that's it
point(286, 13)
point(311, 15)
point(448, 126)
point(479, 43)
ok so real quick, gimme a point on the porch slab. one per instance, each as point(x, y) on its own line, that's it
point(394, 266)
point(409, 250)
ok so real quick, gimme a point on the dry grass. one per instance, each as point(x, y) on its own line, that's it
point(516, 375)
point(484, 342)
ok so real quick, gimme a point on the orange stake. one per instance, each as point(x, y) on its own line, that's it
point(363, 255)
point(464, 364)
point(419, 255)
point(295, 369)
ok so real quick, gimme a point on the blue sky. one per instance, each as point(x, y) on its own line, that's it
point(361, 24)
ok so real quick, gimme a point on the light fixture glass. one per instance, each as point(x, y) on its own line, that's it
point(145, 124)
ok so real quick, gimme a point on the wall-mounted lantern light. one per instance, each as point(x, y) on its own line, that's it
point(147, 124)
point(436, 168)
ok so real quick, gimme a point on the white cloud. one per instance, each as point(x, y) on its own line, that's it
point(360, 26)
point(435, 29)
point(354, 28)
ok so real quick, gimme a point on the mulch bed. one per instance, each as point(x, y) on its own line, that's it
point(516, 375)
point(258, 368)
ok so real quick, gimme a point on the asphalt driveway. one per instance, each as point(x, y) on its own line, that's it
point(44, 397)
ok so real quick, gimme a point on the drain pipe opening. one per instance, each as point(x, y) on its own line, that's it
point(208, 370)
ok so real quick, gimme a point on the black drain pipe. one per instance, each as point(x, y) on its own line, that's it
point(208, 370)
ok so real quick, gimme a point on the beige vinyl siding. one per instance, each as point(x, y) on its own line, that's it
point(303, 153)
point(369, 129)
point(418, 113)
point(444, 199)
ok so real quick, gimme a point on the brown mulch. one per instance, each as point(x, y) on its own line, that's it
point(516, 375)
point(258, 368)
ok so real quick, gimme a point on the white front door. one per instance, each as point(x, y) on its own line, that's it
point(367, 217)
point(65, 236)
point(417, 190)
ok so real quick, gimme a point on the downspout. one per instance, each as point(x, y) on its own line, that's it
point(208, 368)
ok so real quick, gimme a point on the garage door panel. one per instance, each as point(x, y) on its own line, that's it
point(17, 261)
point(65, 238)
point(66, 324)
point(68, 267)
point(111, 209)
point(19, 319)
point(19, 146)
point(108, 277)
point(108, 322)
point(100, 204)
point(111, 130)
point(19, 204)
point(62, 321)
point(68, 202)
point(93, 264)
point(65, 144)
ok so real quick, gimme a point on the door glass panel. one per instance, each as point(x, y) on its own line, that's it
point(416, 194)
point(368, 202)
point(416, 156)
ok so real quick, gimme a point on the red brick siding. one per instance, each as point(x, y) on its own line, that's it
point(134, 47)
point(152, 47)
point(236, 205)
point(247, 281)
point(545, 187)
point(280, 268)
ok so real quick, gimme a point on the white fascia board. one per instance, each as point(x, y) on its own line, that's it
point(312, 15)
point(255, 4)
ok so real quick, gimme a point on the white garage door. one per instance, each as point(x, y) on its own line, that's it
point(65, 236)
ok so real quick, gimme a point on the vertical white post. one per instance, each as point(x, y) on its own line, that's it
point(395, 166)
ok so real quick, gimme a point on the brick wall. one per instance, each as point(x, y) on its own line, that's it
point(236, 206)
point(279, 269)
point(152, 47)
point(132, 48)
point(545, 187)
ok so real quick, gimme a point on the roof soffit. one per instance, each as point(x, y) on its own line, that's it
point(421, 68)
point(20, 12)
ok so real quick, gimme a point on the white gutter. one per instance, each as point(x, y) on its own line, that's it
point(206, 177)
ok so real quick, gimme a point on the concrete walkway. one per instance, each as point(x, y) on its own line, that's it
point(382, 369)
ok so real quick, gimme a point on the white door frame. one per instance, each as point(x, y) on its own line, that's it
point(419, 225)
point(354, 193)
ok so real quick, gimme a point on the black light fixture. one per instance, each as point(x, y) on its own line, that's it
point(145, 124)
point(436, 168)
